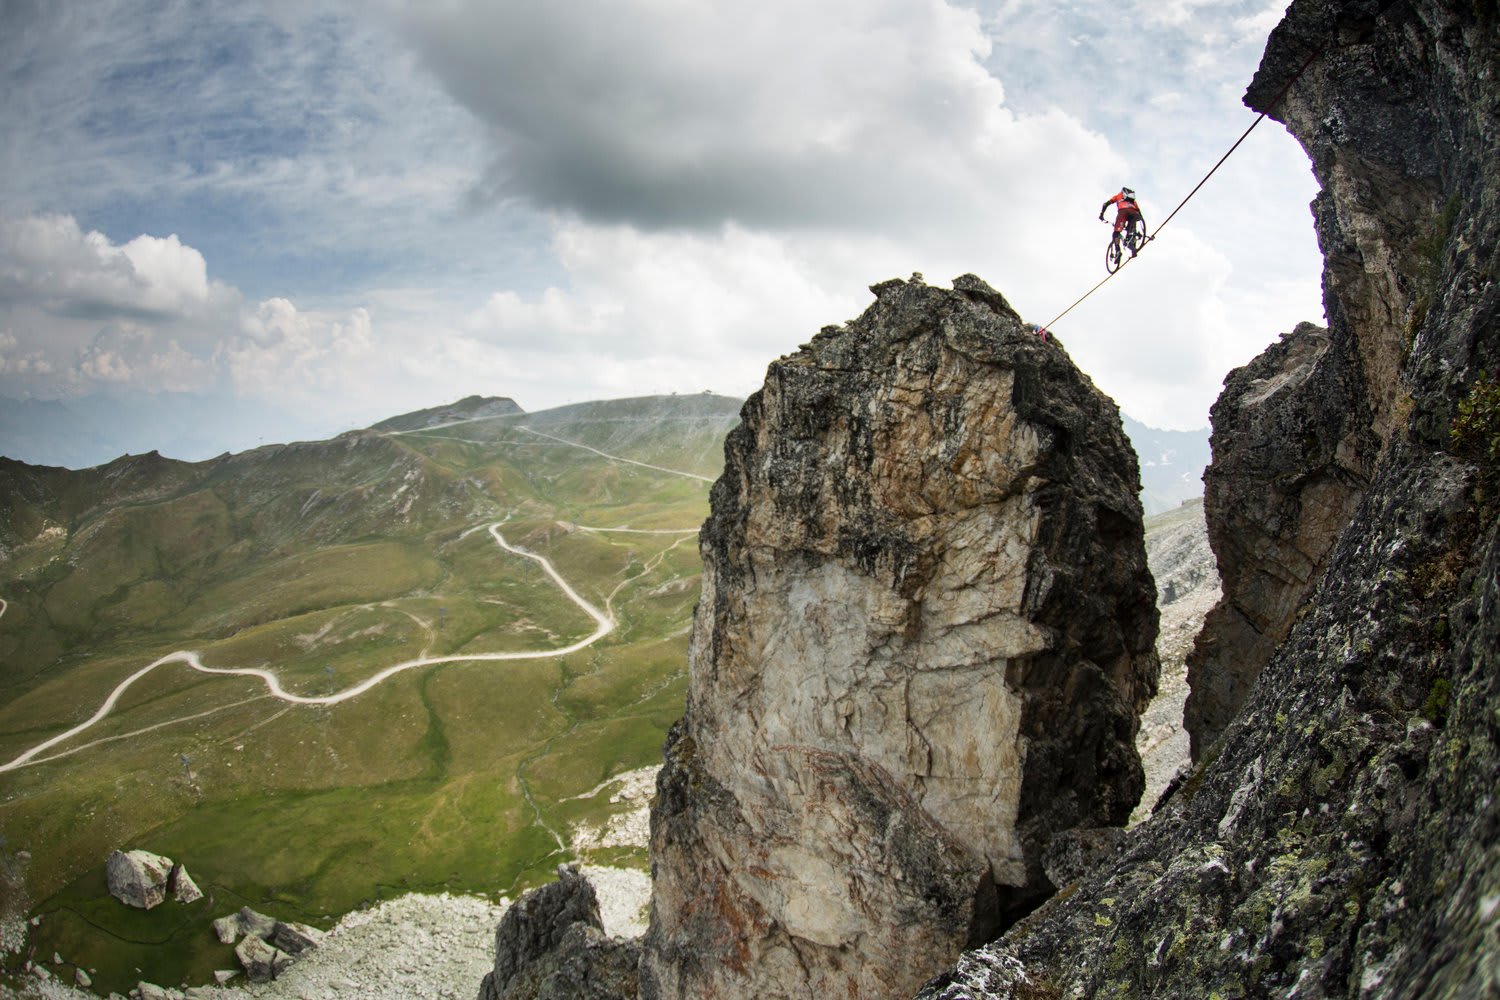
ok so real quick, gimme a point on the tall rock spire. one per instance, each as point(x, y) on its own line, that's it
point(925, 636)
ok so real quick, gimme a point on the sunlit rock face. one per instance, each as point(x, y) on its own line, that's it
point(925, 636)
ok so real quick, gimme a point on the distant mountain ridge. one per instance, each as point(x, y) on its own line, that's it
point(94, 430)
point(119, 525)
point(1172, 464)
point(33, 495)
point(468, 408)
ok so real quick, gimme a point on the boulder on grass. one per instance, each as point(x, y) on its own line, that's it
point(181, 885)
point(142, 879)
point(138, 878)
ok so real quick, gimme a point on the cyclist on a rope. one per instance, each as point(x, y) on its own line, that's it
point(1128, 218)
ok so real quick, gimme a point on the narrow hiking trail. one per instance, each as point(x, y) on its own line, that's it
point(573, 721)
point(558, 440)
point(616, 458)
point(604, 622)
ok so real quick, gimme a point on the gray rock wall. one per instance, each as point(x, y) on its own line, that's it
point(923, 643)
point(1342, 838)
point(1293, 449)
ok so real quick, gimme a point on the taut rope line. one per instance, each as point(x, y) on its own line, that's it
point(1261, 117)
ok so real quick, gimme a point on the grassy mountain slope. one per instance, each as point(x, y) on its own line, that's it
point(468, 408)
point(327, 562)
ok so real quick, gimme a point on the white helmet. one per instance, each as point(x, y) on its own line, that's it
point(1129, 194)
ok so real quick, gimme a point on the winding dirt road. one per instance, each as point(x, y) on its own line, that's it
point(616, 458)
point(553, 437)
point(604, 624)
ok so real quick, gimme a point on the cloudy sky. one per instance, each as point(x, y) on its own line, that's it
point(308, 215)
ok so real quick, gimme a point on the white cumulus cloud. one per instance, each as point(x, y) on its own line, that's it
point(280, 349)
point(50, 261)
point(854, 113)
point(81, 312)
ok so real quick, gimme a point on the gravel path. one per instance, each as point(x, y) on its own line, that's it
point(413, 946)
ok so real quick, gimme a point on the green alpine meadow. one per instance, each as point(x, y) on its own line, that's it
point(443, 712)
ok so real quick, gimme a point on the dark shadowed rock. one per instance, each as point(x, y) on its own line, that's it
point(551, 946)
point(1072, 854)
point(1293, 449)
point(585, 965)
point(924, 637)
point(295, 938)
point(261, 961)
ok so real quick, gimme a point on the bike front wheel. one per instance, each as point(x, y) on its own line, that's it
point(1112, 256)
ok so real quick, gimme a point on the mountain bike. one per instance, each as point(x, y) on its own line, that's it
point(1114, 253)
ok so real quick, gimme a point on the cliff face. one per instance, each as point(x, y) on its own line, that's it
point(1293, 448)
point(1342, 838)
point(923, 643)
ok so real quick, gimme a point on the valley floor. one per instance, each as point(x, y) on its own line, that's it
point(442, 945)
point(569, 716)
point(437, 946)
point(1187, 584)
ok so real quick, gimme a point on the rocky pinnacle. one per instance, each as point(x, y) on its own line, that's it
point(924, 640)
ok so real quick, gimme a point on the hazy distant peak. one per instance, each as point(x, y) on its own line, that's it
point(468, 408)
point(676, 406)
point(1172, 463)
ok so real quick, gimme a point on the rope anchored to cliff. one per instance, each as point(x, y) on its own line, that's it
point(1261, 117)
